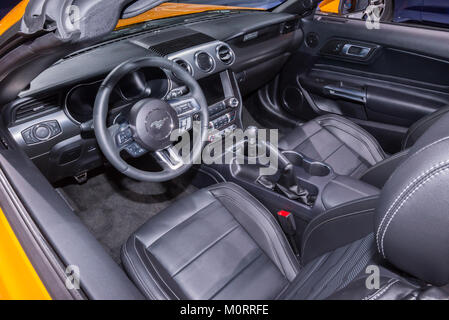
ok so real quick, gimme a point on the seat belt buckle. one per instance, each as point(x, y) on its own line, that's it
point(288, 225)
point(287, 222)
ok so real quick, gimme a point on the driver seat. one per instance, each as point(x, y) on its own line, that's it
point(221, 243)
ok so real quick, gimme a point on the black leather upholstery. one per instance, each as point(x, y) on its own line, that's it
point(338, 142)
point(391, 287)
point(338, 227)
point(343, 189)
point(378, 174)
point(414, 209)
point(221, 243)
point(421, 126)
point(333, 271)
point(349, 149)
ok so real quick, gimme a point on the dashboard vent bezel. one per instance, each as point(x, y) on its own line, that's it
point(230, 52)
point(211, 59)
point(186, 66)
point(35, 107)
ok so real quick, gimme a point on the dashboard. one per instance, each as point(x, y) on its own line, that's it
point(141, 84)
point(230, 56)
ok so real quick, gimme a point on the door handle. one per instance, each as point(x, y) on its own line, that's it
point(354, 50)
point(348, 93)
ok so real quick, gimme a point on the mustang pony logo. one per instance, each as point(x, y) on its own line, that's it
point(158, 124)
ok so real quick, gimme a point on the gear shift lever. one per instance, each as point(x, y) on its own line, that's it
point(287, 183)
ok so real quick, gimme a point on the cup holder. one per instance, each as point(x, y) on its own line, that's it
point(314, 168)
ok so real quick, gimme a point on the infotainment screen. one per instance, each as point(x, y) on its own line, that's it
point(212, 88)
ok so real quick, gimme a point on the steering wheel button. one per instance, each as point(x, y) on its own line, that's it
point(128, 133)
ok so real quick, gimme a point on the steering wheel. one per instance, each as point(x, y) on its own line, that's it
point(150, 124)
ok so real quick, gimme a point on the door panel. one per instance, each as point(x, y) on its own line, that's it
point(384, 79)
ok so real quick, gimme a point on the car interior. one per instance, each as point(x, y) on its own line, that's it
point(362, 120)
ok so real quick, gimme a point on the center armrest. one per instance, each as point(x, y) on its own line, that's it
point(344, 189)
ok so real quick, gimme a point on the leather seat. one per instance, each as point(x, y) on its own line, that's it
point(349, 149)
point(221, 243)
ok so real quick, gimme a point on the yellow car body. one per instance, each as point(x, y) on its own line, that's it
point(330, 6)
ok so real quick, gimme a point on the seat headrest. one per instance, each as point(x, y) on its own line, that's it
point(412, 218)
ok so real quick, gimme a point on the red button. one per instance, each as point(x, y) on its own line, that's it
point(284, 213)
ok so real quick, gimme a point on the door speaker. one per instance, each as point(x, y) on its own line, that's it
point(312, 40)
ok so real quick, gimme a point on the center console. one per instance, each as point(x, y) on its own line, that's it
point(300, 185)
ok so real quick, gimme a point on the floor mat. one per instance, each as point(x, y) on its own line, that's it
point(113, 206)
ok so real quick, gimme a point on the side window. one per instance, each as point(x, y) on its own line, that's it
point(431, 13)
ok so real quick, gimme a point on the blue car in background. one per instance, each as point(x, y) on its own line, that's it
point(431, 11)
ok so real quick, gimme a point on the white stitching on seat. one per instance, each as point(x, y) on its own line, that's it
point(422, 175)
point(136, 272)
point(441, 170)
point(431, 117)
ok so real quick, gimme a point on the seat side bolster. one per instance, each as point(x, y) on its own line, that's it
point(421, 126)
point(337, 227)
point(260, 225)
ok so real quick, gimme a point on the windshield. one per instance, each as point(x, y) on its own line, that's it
point(187, 10)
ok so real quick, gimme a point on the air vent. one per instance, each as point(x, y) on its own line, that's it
point(35, 107)
point(225, 54)
point(185, 65)
point(204, 61)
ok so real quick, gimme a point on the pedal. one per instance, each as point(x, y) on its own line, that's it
point(81, 178)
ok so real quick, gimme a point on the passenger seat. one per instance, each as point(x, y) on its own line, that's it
point(349, 149)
